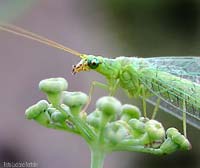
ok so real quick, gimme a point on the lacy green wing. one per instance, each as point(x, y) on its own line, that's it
point(171, 93)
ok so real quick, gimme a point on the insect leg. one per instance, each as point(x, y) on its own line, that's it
point(184, 119)
point(115, 85)
point(144, 102)
point(155, 109)
point(94, 83)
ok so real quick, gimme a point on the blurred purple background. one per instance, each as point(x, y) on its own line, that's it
point(93, 27)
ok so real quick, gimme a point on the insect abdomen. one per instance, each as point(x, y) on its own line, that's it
point(174, 90)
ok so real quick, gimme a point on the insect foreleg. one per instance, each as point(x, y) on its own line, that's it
point(94, 83)
point(155, 109)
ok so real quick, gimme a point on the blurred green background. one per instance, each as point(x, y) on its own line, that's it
point(106, 27)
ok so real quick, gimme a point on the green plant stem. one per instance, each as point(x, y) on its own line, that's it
point(97, 158)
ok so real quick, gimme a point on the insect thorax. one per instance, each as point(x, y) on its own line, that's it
point(123, 69)
point(129, 75)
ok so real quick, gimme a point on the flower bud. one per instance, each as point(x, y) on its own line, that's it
point(182, 141)
point(179, 139)
point(171, 132)
point(66, 109)
point(155, 130)
point(168, 146)
point(109, 106)
point(35, 110)
point(137, 126)
point(39, 113)
point(75, 100)
point(94, 119)
point(53, 87)
point(129, 112)
point(57, 116)
point(116, 131)
point(174, 142)
point(51, 110)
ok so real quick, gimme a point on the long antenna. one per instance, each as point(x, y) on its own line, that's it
point(30, 35)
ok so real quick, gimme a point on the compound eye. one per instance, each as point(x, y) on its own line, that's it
point(93, 63)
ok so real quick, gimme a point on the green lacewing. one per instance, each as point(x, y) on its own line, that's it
point(174, 80)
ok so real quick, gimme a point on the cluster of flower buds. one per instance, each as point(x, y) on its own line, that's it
point(110, 127)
